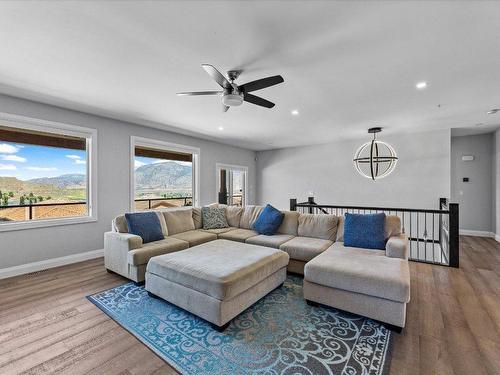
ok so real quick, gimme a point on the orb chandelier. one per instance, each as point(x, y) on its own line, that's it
point(375, 159)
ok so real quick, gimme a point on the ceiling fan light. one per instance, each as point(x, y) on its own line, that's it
point(232, 100)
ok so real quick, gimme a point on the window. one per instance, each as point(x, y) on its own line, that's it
point(45, 173)
point(163, 174)
point(231, 184)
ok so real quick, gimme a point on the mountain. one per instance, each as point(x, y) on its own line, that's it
point(166, 175)
point(65, 181)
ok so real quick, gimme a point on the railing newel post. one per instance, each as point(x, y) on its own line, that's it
point(310, 200)
point(293, 204)
point(454, 239)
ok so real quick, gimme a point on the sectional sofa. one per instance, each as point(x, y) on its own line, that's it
point(373, 283)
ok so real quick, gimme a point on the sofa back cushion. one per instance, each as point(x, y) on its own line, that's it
point(323, 226)
point(197, 218)
point(179, 220)
point(392, 227)
point(233, 215)
point(119, 223)
point(290, 223)
point(249, 215)
point(146, 225)
point(366, 231)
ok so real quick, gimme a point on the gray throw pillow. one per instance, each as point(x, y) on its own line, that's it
point(214, 217)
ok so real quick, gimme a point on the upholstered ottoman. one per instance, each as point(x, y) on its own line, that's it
point(216, 280)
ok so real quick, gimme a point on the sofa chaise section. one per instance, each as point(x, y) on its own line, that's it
point(372, 283)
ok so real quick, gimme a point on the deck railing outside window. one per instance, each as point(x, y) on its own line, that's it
point(40, 211)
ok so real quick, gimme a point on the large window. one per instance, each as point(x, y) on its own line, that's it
point(231, 184)
point(45, 173)
point(163, 174)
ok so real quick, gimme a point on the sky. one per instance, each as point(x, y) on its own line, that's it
point(26, 162)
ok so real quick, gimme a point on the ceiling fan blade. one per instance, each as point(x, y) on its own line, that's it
point(225, 108)
point(216, 75)
point(261, 83)
point(195, 93)
point(257, 100)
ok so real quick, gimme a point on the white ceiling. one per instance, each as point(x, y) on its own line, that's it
point(347, 65)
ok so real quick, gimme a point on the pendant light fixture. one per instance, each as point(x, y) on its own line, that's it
point(375, 159)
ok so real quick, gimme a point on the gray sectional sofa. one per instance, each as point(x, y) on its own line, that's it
point(373, 283)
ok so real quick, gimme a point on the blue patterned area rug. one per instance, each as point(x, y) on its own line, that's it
point(280, 334)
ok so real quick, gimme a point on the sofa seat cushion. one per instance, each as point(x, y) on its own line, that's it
point(363, 271)
point(305, 248)
point(240, 235)
point(142, 255)
point(221, 269)
point(270, 241)
point(219, 230)
point(195, 237)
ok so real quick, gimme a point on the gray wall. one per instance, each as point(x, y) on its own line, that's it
point(496, 183)
point(421, 177)
point(25, 246)
point(474, 197)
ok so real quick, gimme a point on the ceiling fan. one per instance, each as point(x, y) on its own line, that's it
point(232, 94)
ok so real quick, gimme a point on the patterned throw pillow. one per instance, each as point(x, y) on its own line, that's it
point(214, 217)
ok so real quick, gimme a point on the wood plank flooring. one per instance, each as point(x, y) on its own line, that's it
point(48, 327)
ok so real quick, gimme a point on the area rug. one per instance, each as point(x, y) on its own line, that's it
point(280, 334)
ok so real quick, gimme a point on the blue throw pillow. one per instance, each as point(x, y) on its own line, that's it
point(145, 224)
point(268, 221)
point(366, 231)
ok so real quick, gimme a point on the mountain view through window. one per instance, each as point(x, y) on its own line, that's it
point(41, 182)
point(162, 183)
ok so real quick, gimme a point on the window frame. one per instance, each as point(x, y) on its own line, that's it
point(241, 168)
point(164, 146)
point(58, 128)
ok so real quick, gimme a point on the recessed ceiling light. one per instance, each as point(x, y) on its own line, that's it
point(295, 112)
point(221, 128)
point(493, 111)
point(421, 85)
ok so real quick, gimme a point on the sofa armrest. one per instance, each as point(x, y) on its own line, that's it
point(116, 249)
point(124, 241)
point(397, 247)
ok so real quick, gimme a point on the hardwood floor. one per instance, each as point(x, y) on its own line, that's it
point(48, 326)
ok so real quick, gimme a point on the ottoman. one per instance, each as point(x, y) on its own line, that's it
point(216, 280)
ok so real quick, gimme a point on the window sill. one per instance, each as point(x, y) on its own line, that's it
point(22, 225)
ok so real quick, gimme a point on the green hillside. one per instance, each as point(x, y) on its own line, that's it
point(56, 194)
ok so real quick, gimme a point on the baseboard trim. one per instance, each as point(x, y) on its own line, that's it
point(477, 233)
point(49, 263)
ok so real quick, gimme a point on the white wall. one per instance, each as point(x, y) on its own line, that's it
point(475, 196)
point(25, 246)
point(421, 177)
